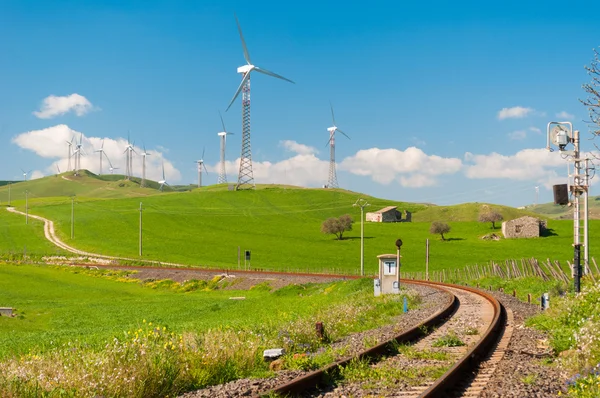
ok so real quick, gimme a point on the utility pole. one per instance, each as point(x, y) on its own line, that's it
point(362, 203)
point(26, 207)
point(72, 217)
point(562, 134)
point(140, 243)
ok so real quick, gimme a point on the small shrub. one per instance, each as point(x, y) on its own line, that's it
point(448, 340)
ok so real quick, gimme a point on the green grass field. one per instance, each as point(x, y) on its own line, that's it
point(281, 226)
point(57, 305)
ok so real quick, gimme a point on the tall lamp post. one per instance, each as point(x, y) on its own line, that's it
point(362, 203)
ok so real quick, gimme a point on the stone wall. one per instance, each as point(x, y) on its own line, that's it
point(524, 227)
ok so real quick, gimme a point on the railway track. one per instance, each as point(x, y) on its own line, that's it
point(478, 307)
point(461, 379)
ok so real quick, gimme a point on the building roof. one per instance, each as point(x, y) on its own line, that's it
point(386, 209)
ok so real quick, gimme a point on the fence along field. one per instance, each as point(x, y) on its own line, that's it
point(281, 226)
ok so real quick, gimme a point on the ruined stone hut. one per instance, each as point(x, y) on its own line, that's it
point(523, 227)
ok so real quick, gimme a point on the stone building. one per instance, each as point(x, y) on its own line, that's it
point(523, 227)
point(388, 214)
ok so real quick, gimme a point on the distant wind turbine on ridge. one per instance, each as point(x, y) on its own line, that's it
point(332, 180)
point(163, 182)
point(25, 174)
point(144, 154)
point(245, 175)
point(78, 151)
point(129, 150)
point(201, 165)
point(223, 136)
point(101, 151)
point(69, 152)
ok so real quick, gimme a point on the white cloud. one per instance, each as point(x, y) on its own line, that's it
point(51, 143)
point(516, 112)
point(55, 106)
point(410, 168)
point(518, 135)
point(527, 164)
point(34, 175)
point(535, 130)
point(565, 115)
point(295, 147)
point(301, 170)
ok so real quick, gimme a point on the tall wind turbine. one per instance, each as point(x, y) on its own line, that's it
point(144, 154)
point(245, 176)
point(332, 180)
point(69, 152)
point(78, 151)
point(163, 182)
point(101, 151)
point(200, 166)
point(223, 134)
point(129, 159)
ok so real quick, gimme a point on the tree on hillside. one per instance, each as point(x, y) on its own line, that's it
point(438, 227)
point(337, 226)
point(592, 102)
point(491, 216)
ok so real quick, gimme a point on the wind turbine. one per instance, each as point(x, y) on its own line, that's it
point(69, 153)
point(77, 153)
point(163, 182)
point(223, 134)
point(144, 154)
point(332, 181)
point(200, 166)
point(245, 176)
point(128, 159)
point(101, 151)
point(25, 174)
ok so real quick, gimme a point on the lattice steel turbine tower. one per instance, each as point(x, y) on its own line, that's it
point(332, 180)
point(245, 175)
point(223, 136)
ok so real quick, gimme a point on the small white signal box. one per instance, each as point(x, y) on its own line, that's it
point(389, 274)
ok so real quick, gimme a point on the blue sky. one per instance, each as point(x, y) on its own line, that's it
point(420, 89)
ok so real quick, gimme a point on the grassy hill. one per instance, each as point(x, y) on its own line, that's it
point(551, 210)
point(467, 212)
point(279, 224)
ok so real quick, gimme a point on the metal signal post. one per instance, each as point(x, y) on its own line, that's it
point(561, 134)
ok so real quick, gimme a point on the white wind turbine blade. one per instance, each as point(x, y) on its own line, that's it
point(222, 122)
point(246, 77)
point(206, 171)
point(332, 115)
point(203, 149)
point(342, 132)
point(246, 54)
point(267, 72)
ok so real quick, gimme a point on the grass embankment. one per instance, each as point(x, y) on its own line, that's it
point(83, 335)
point(282, 229)
point(18, 239)
point(573, 322)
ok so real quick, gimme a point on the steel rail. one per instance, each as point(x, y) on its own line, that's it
point(469, 362)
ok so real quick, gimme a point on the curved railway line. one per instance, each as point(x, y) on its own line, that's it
point(459, 379)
